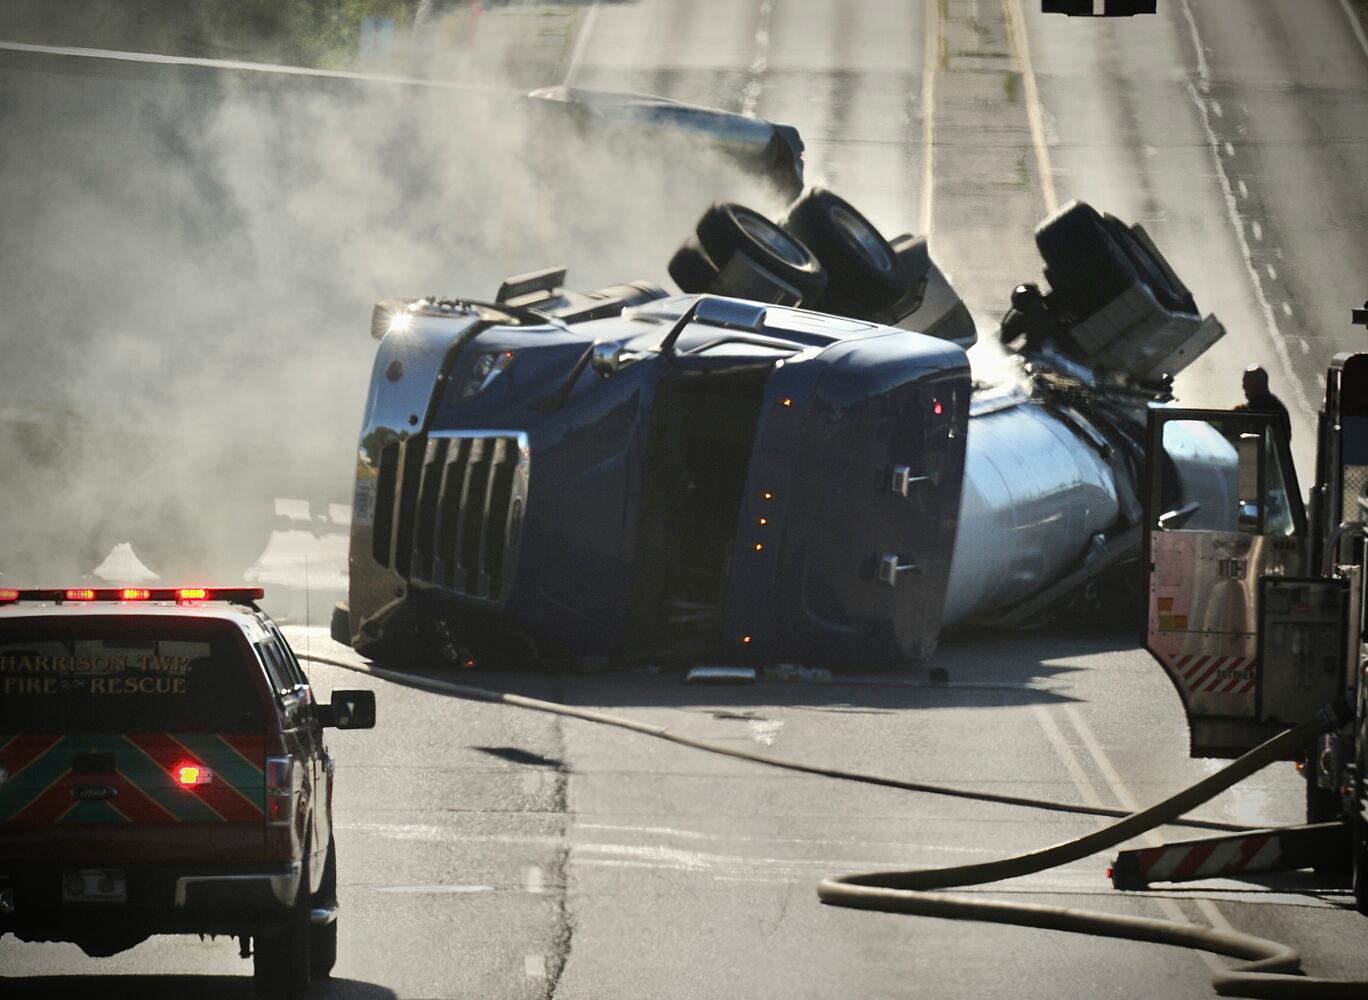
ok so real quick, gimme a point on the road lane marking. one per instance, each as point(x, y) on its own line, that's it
point(1066, 754)
point(535, 966)
point(532, 880)
point(1244, 188)
point(1356, 24)
point(1233, 215)
point(1016, 32)
point(1256, 227)
point(930, 61)
point(1129, 802)
point(435, 890)
point(765, 730)
point(751, 96)
point(581, 44)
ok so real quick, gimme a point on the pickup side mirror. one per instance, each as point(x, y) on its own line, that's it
point(349, 710)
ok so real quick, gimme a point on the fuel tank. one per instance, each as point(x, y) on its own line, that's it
point(1037, 490)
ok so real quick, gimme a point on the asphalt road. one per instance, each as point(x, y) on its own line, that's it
point(487, 851)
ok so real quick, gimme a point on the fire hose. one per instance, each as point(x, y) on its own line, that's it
point(1269, 969)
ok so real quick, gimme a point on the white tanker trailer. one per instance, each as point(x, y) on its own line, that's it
point(789, 463)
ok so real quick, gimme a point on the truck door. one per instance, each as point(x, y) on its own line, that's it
point(1222, 510)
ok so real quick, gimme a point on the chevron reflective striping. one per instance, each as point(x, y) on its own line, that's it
point(1209, 859)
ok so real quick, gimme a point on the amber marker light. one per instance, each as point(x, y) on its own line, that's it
point(192, 594)
point(767, 495)
point(80, 594)
point(134, 594)
point(745, 640)
point(763, 520)
point(788, 402)
point(759, 547)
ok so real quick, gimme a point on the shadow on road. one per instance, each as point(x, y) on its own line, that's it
point(143, 987)
point(983, 668)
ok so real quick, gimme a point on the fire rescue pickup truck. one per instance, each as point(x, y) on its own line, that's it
point(163, 770)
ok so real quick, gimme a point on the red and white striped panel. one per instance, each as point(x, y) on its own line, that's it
point(1209, 859)
point(1222, 674)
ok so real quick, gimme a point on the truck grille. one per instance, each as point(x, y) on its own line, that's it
point(453, 507)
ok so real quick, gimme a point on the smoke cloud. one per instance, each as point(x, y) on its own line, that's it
point(188, 257)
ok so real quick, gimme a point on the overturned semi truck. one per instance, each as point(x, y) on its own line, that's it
point(790, 462)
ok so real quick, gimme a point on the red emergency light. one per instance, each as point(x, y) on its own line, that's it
point(8, 595)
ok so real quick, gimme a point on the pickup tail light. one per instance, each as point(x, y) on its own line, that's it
point(189, 774)
point(282, 790)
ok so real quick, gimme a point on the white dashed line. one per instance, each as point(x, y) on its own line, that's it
point(1306, 348)
point(1256, 227)
point(1229, 149)
point(1243, 188)
point(535, 966)
point(1203, 86)
point(436, 890)
point(1272, 272)
point(751, 99)
point(532, 880)
point(1287, 309)
point(1216, 109)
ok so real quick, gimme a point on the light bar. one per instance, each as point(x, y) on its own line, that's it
point(234, 595)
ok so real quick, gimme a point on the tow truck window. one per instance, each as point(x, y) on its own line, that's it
point(151, 679)
point(1225, 475)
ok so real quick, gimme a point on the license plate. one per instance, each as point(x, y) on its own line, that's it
point(94, 885)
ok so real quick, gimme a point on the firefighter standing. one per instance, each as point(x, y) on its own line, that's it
point(1259, 400)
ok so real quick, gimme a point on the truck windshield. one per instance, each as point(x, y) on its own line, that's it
point(109, 676)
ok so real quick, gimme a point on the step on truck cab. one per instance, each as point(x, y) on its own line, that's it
point(163, 770)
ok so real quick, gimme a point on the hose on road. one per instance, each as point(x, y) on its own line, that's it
point(1269, 970)
point(466, 691)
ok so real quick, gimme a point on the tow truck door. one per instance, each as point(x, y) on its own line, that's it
point(1222, 510)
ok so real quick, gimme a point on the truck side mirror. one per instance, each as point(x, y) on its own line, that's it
point(351, 710)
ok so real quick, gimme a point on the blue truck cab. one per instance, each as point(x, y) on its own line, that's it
point(626, 477)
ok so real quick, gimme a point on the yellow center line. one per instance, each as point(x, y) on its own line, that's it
point(1021, 57)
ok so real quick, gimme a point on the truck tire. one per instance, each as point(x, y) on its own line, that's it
point(339, 628)
point(727, 229)
point(1091, 258)
point(862, 267)
point(323, 937)
point(691, 268)
point(1086, 266)
point(280, 961)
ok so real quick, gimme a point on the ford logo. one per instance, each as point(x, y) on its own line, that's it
point(94, 793)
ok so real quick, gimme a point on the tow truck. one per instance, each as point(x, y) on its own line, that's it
point(1257, 613)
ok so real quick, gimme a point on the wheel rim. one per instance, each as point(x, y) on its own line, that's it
point(773, 239)
point(863, 238)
